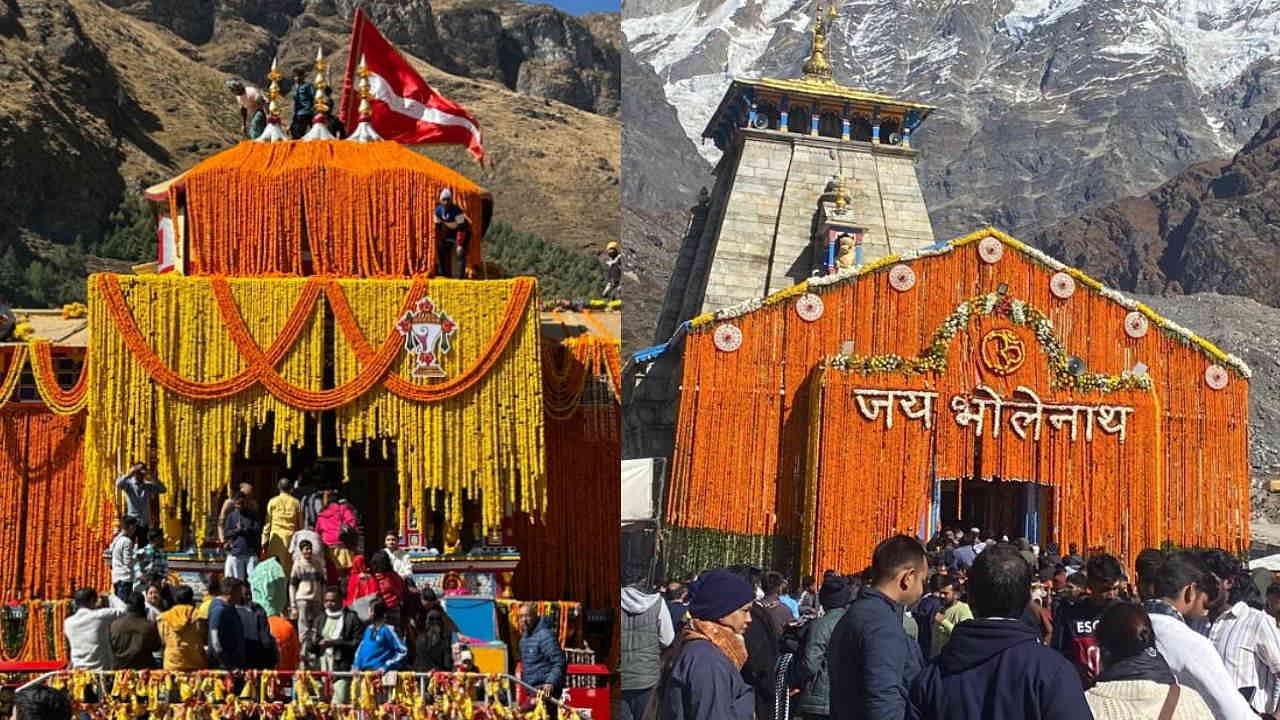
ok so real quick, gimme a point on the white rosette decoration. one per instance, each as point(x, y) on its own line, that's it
point(1062, 285)
point(727, 337)
point(1136, 325)
point(809, 307)
point(1215, 376)
point(990, 250)
point(902, 277)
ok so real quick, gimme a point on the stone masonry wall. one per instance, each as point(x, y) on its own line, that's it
point(765, 238)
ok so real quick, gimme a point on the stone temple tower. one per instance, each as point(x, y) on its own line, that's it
point(814, 175)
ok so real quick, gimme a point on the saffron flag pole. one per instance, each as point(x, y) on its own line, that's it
point(404, 107)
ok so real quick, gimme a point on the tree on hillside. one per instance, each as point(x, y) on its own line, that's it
point(561, 273)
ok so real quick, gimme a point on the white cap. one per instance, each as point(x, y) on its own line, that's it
point(446, 194)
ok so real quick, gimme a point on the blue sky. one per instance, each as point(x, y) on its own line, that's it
point(578, 7)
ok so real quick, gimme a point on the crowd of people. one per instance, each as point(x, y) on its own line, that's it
point(294, 594)
point(965, 627)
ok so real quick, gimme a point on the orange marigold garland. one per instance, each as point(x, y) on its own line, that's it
point(41, 481)
point(259, 208)
point(186, 354)
point(567, 559)
point(742, 436)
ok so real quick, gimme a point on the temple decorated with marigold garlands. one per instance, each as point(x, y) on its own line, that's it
point(296, 324)
point(828, 374)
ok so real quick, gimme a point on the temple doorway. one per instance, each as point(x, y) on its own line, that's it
point(1002, 507)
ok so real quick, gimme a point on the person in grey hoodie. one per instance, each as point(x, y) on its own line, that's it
point(646, 631)
point(813, 702)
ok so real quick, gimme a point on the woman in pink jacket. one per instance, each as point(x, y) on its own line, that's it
point(336, 525)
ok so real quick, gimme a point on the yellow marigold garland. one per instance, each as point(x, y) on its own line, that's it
point(486, 443)
point(173, 385)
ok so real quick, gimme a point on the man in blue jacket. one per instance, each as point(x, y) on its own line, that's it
point(540, 655)
point(994, 667)
point(870, 658)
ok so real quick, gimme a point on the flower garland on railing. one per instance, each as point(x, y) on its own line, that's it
point(182, 352)
point(32, 631)
point(933, 359)
point(212, 695)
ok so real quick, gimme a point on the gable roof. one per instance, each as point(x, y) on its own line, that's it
point(818, 284)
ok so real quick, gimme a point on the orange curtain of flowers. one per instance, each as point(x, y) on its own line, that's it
point(323, 207)
point(48, 550)
point(564, 555)
point(743, 432)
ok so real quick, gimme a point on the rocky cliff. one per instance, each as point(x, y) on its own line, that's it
point(1214, 227)
point(97, 102)
point(1046, 108)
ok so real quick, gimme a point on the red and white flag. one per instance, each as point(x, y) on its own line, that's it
point(405, 108)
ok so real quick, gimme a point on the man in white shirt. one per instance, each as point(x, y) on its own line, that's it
point(1249, 643)
point(1191, 656)
point(123, 571)
point(88, 632)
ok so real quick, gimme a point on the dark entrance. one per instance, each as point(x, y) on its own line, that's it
point(1015, 509)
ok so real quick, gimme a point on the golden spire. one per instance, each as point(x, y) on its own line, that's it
point(322, 84)
point(273, 92)
point(319, 123)
point(273, 133)
point(816, 67)
point(364, 131)
point(362, 87)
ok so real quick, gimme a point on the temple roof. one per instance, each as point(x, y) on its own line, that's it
point(563, 324)
point(50, 325)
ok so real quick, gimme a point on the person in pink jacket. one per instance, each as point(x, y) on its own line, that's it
point(338, 526)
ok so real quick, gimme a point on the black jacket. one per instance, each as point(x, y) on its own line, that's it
point(762, 660)
point(703, 684)
point(871, 660)
point(347, 642)
point(998, 670)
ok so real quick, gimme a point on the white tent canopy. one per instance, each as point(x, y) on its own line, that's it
point(638, 490)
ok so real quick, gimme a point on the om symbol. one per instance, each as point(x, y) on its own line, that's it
point(1003, 351)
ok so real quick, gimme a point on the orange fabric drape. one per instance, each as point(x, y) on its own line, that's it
point(743, 435)
point(48, 550)
point(323, 208)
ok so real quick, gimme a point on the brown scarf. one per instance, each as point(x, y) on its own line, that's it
point(729, 642)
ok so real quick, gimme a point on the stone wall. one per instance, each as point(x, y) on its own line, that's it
point(764, 241)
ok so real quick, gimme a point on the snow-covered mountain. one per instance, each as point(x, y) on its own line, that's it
point(1046, 107)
